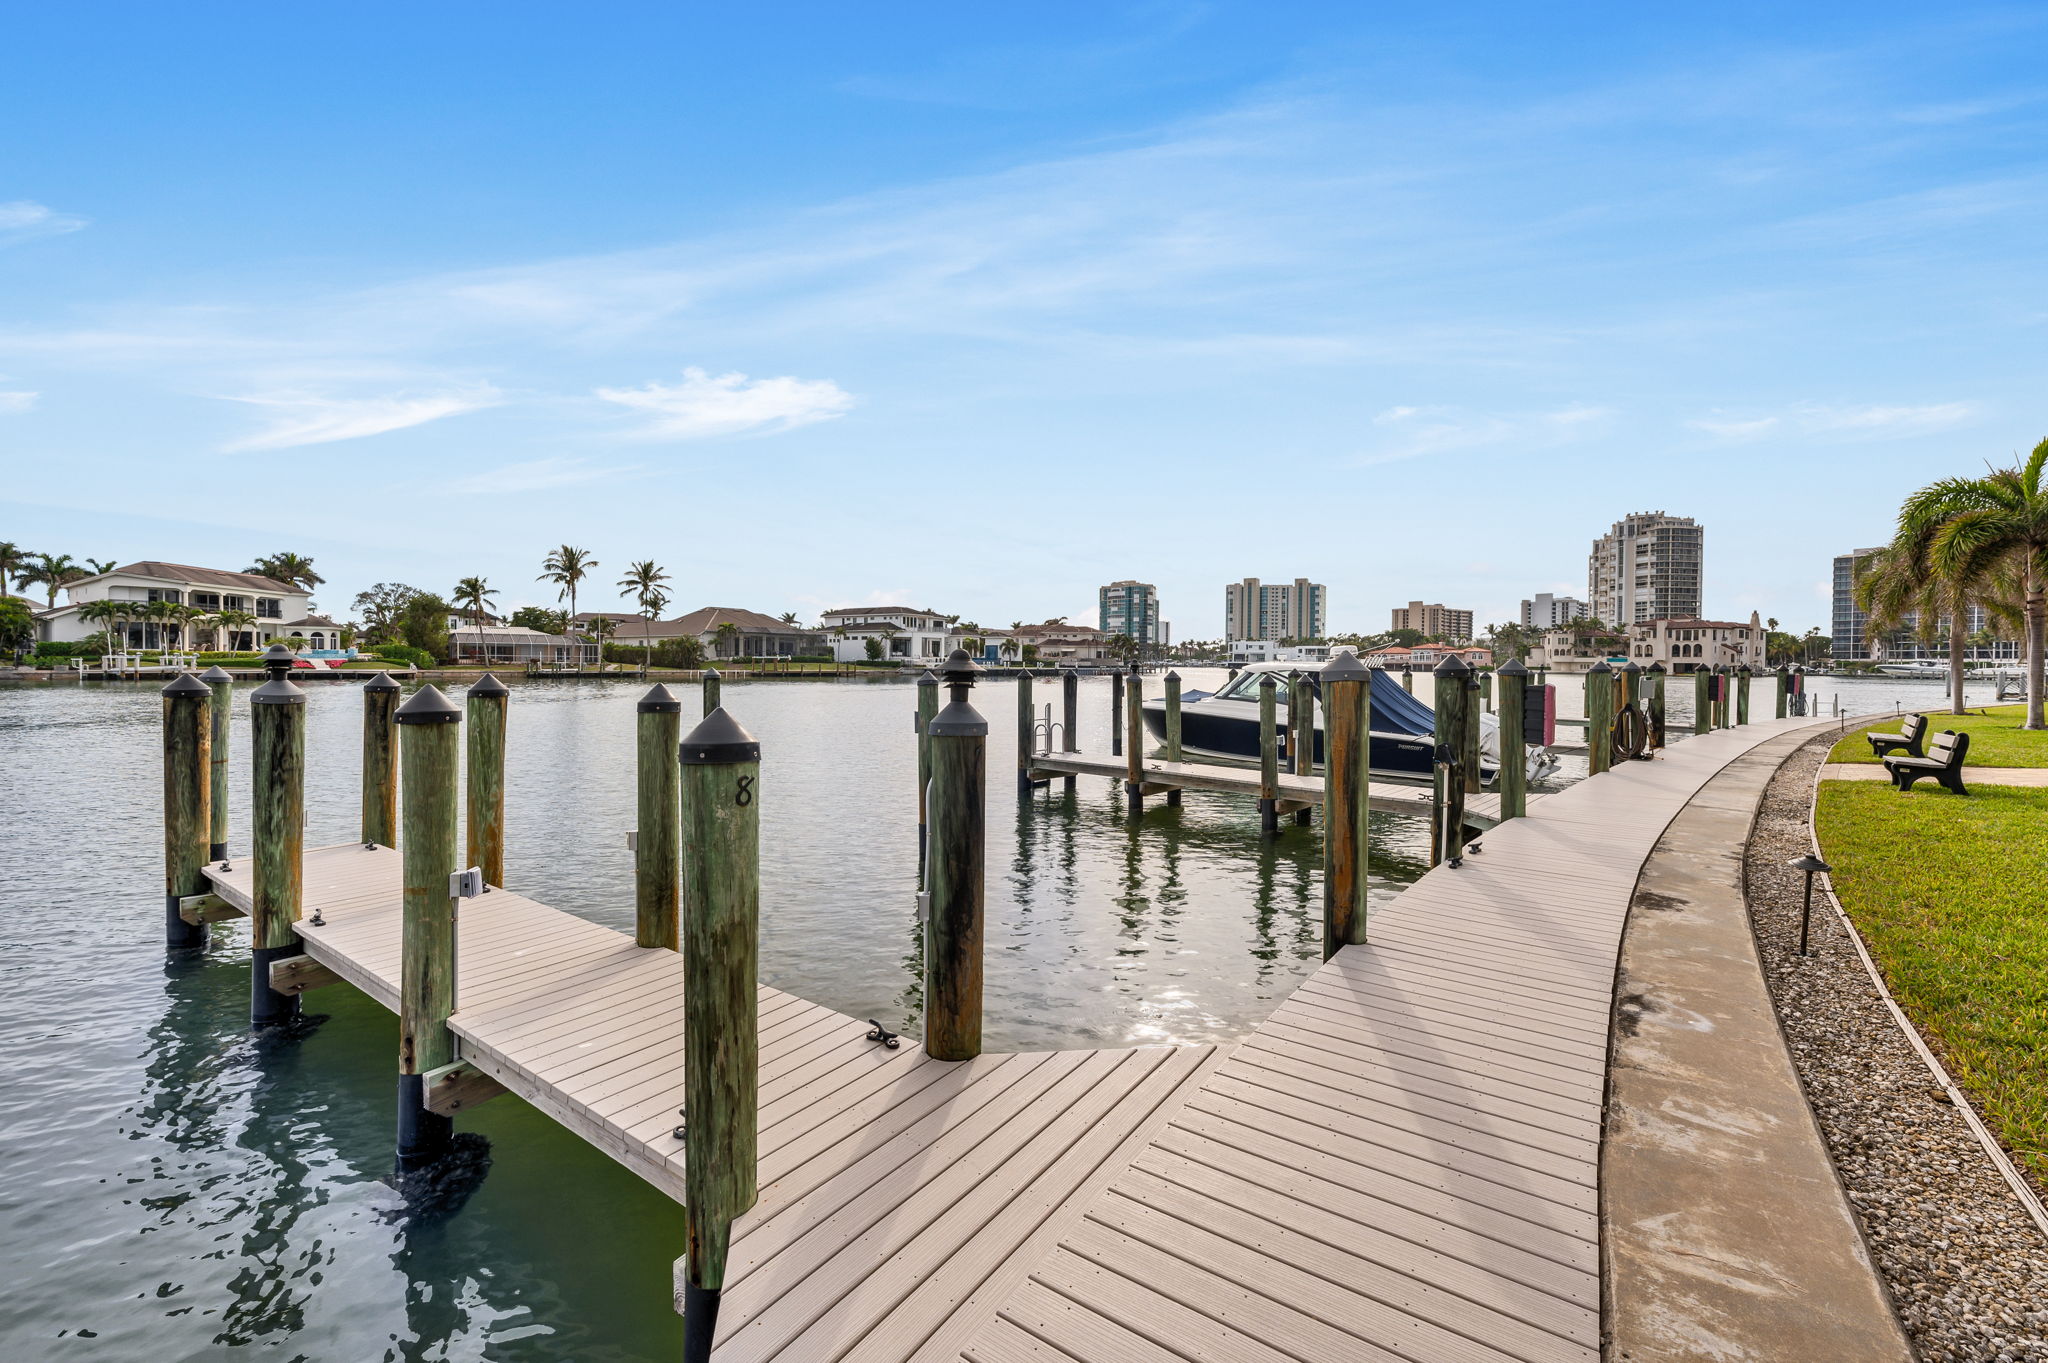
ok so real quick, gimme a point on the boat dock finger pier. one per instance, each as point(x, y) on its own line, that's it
point(1402, 1163)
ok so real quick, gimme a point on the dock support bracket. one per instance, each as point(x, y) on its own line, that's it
point(297, 974)
point(205, 908)
point(454, 1088)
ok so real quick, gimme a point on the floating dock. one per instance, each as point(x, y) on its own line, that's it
point(1401, 1163)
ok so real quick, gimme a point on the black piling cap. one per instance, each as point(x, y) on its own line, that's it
point(1513, 667)
point(1633, 667)
point(1746, 670)
point(713, 672)
point(277, 660)
point(659, 701)
point(215, 675)
point(429, 706)
point(1452, 666)
point(187, 687)
point(1171, 676)
point(1658, 668)
point(1345, 667)
point(927, 678)
point(488, 686)
point(718, 741)
point(1268, 679)
point(381, 682)
point(1600, 667)
point(279, 690)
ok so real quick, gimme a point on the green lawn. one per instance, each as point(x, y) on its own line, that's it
point(1947, 891)
point(1996, 739)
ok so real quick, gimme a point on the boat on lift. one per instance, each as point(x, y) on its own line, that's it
point(1933, 669)
point(1224, 726)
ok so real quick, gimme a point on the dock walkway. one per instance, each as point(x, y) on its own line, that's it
point(1383, 797)
point(1400, 1164)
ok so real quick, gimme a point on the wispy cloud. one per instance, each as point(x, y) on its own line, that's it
point(1412, 432)
point(18, 400)
point(25, 219)
point(536, 475)
point(705, 404)
point(1876, 422)
point(313, 419)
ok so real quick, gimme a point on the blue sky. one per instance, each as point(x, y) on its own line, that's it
point(978, 307)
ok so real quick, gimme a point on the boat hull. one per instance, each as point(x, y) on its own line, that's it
point(1206, 733)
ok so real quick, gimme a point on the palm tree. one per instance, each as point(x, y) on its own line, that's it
point(787, 617)
point(475, 595)
point(566, 567)
point(103, 614)
point(235, 622)
point(100, 565)
point(1980, 527)
point(728, 637)
point(51, 571)
point(12, 558)
point(295, 569)
point(643, 583)
point(1901, 585)
point(601, 629)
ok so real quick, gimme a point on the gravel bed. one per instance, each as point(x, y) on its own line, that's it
point(1967, 1267)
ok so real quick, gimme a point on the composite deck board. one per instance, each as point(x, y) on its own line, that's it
point(1400, 1163)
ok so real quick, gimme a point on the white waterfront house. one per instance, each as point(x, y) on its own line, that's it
point(1273, 651)
point(281, 609)
point(907, 634)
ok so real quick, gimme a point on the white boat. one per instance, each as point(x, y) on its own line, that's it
point(1932, 668)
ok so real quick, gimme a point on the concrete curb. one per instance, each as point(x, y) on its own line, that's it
point(1726, 1235)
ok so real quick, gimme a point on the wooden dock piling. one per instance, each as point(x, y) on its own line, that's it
point(1027, 733)
point(431, 737)
point(1599, 718)
point(277, 722)
point(1702, 701)
point(1269, 754)
point(1784, 691)
point(657, 838)
point(1171, 684)
point(1514, 749)
point(1486, 692)
point(1116, 714)
point(953, 921)
point(1347, 757)
point(188, 802)
point(1134, 744)
point(721, 771)
point(1455, 699)
point(380, 761)
point(1301, 733)
point(1408, 678)
point(487, 704)
point(1742, 676)
point(1654, 704)
point(1070, 717)
point(221, 708)
point(712, 684)
point(1470, 729)
point(927, 706)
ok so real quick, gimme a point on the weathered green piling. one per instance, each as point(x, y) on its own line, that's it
point(430, 735)
point(1455, 699)
point(221, 709)
point(277, 830)
point(1514, 749)
point(1724, 696)
point(1269, 754)
point(712, 685)
point(1486, 692)
point(721, 771)
point(1599, 718)
point(380, 761)
point(188, 800)
point(1347, 728)
point(1470, 733)
point(927, 706)
point(657, 841)
point(1654, 686)
point(1134, 745)
point(487, 703)
point(953, 919)
point(1702, 700)
point(1742, 676)
point(1784, 691)
point(1408, 678)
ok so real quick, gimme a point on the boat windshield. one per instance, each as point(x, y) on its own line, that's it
point(1246, 687)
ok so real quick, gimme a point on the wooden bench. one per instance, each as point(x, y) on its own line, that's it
point(1944, 762)
point(1913, 730)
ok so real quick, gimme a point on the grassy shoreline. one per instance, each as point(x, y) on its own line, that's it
point(1947, 894)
